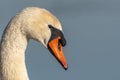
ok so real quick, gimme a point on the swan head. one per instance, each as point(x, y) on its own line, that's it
point(41, 25)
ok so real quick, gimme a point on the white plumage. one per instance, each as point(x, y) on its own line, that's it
point(32, 23)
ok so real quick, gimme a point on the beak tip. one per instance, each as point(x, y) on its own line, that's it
point(66, 67)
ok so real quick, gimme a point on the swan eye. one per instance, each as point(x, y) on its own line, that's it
point(50, 26)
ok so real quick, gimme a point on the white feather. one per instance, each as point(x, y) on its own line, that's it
point(32, 23)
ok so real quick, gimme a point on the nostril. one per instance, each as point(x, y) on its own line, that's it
point(59, 45)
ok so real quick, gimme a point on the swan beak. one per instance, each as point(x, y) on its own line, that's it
point(57, 51)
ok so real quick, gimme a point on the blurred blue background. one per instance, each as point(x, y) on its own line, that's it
point(92, 30)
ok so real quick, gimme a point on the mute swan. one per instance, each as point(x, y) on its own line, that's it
point(31, 23)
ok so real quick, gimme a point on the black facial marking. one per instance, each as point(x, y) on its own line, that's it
point(56, 33)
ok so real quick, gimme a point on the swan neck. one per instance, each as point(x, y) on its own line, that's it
point(12, 55)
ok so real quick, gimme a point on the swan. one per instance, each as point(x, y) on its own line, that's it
point(30, 23)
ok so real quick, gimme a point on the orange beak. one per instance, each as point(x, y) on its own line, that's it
point(56, 48)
